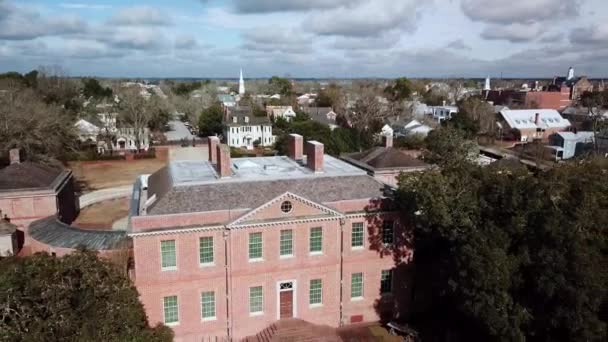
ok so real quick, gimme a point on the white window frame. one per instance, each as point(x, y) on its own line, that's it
point(315, 305)
point(310, 240)
point(206, 264)
point(162, 300)
point(362, 287)
point(254, 313)
point(287, 256)
point(248, 247)
point(363, 236)
point(206, 319)
point(160, 248)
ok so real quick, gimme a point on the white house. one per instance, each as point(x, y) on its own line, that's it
point(387, 130)
point(441, 113)
point(324, 115)
point(529, 124)
point(242, 129)
point(415, 127)
point(285, 112)
point(87, 131)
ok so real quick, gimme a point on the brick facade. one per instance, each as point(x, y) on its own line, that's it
point(233, 270)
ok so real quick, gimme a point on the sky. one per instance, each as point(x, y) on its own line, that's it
point(306, 38)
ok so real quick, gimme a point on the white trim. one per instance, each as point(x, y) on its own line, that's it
point(283, 197)
point(285, 222)
point(256, 260)
point(207, 264)
point(208, 319)
point(315, 253)
point(294, 298)
point(173, 231)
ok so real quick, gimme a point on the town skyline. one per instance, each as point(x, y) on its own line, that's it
point(313, 39)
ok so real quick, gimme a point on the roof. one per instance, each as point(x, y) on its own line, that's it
point(226, 98)
point(319, 114)
point(578, 136)
point(28, 175)
point(55, 233)
point(6, 228)
point(86, 127)
point(193, 186)
point(385, 158)
point(524, 118)
point(240, 113)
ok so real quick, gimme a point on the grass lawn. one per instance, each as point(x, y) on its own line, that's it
point(102, 214)
point(112, 173)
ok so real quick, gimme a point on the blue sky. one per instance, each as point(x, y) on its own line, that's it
point(306, 38)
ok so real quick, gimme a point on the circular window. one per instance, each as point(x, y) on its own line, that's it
point(286, 207)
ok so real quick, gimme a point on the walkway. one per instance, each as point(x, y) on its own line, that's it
point(105, 194)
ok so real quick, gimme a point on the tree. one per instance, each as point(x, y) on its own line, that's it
point(478, 115)
point(45, 132)
point(185, 88)
point(210, 121)
point(93, 89)
point(505, 254)
point(279, 85)
point(78, 297)
point(399, 90)
point(594, 101)
point(134, 110)
point(449, 146)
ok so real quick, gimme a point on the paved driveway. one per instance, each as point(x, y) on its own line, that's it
point(178, 131)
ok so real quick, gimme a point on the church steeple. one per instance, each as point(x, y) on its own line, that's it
point(241, 84)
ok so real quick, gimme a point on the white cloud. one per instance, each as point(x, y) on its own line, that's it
point(521, 11)
point(83, 6)
point(268, 6)
point(368, 18)
point(18, 23)
point(593, 34)
point(140, 16)
point(515, 33)
point(458, 44)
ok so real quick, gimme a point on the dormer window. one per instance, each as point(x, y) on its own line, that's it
point(234, 119)
point(246, 119)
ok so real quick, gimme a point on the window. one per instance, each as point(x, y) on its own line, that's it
point(315, 293)
point(167, 254)
point(316, 240)
point(255, 246)
point(357, 235)
point(170, 310)
point(208, 305)
point(205, 250)
point(387, 232)
point(286, 243)
point(356, 285)
point(286, 207)
point(386, 281)
point(256, 300)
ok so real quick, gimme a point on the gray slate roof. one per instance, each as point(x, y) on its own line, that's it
point(250, 195)
point(55, 233)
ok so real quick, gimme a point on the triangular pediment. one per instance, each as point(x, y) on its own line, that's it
point(286, 207)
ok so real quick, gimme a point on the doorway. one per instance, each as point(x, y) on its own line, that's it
point(286, 297)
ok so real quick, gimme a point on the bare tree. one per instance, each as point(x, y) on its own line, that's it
point(45, 132)
point(133, 110)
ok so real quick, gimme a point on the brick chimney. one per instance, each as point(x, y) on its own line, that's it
point(314, 155)
point(387, 141)
point(15, 156)
point(223, 161)
point(295, 146)
point(212, 142)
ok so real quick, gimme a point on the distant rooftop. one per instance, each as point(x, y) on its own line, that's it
point(27, 175)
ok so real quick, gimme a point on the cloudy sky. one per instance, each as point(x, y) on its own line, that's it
point(306, 38)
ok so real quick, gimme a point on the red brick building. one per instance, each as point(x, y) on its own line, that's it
point(30, 191)
point(226, 249)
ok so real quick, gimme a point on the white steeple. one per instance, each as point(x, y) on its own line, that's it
point(487, 87)
point(570, 74)
point(241, 84)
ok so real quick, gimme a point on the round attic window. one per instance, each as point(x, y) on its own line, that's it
point(286, 207)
